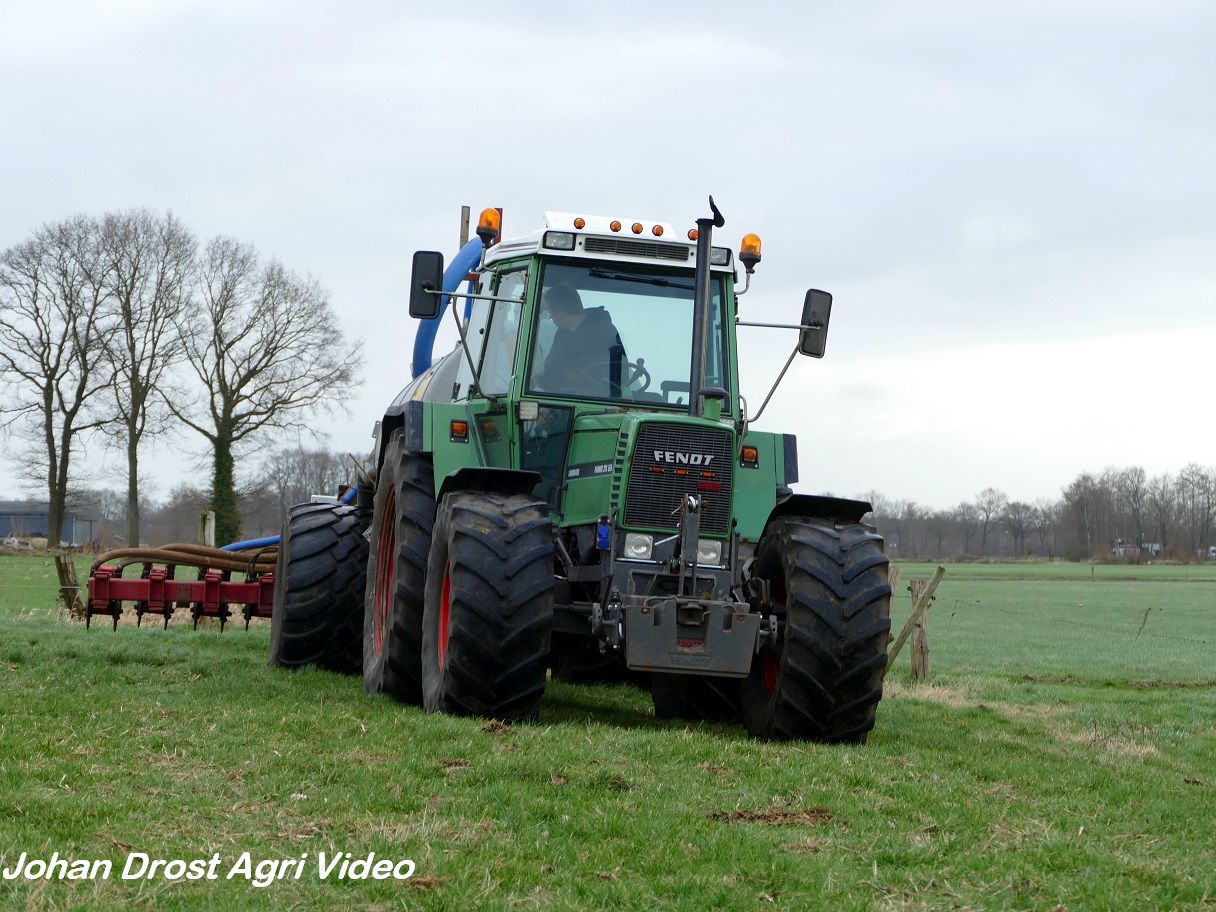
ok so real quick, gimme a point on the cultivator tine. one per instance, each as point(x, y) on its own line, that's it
point(141, 607)
point(167, 610)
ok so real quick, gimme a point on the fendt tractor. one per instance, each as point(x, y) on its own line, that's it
point(579, 483)
point(577, 487)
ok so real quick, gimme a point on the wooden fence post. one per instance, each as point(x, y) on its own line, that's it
point(920, 636)
point(206, 528)
point(919, 608)
point(69, 585)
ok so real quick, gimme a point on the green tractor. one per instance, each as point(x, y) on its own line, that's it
point(577, 488)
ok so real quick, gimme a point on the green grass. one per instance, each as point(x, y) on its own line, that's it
point(1063, 757)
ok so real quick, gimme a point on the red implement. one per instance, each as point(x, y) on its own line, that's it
point(159, 593)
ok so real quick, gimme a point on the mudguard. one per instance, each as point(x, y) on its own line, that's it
point(819, 507)
point(489, 478)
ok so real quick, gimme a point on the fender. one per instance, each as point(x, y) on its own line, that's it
point(814, 506)
point(488, 478)
point(408, 416)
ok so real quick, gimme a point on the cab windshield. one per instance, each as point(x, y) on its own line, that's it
point(622, 333)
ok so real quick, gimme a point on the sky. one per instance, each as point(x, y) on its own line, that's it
point(1014, 204)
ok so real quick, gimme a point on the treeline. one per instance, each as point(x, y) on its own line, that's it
point(125, 327)
point(288, 475)
point(1119, 514)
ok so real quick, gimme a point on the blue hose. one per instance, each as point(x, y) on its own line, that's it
point(424, 342)
point(269, 540)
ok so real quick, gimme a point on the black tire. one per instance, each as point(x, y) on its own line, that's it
point(828, 584)
point(696, 698)
point(489, 606)
point(396, 574)
point(317, 616)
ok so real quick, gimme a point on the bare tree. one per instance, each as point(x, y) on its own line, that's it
point(989, 504)
point(967, 517)
point(1162, 509)
point(149, 261)
point(52, 336)
point(1046, 516)
point(1018, 518)
point(295, 473)
point(266, 347)
point(1196, 500)
point(1132, 488)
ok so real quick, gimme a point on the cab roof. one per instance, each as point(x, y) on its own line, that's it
point(608, 239)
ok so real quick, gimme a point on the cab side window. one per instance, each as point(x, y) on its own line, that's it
point(498, 356)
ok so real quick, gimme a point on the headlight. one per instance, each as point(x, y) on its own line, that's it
point(638, 546)
point(559, 240)
point(709, 552)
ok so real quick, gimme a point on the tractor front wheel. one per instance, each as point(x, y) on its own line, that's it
point(488, 619)
point(829, 592)
point(402, 519)
point(317, 614)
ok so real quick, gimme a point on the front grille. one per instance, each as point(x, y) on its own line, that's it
point(623, 246)
point(652, 498)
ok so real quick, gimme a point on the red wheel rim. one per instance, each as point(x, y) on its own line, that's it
point(445, 615)
point(386, 573)
point(770, 668)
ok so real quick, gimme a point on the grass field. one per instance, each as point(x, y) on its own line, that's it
point(1065, 757)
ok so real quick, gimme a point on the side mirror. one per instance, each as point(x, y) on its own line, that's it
point(426, 278)
point(816, 311)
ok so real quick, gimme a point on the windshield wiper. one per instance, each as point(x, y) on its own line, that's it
point(644, 280)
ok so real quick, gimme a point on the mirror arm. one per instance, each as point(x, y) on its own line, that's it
point(476, 387)
point(782, 325)
point(776, 383)
point(476, 297)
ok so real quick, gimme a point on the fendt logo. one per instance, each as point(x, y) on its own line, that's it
point(696, 459)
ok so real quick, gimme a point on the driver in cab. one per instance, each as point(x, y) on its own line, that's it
point(585, 347)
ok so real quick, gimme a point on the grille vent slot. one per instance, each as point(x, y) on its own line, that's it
point(626, 247)
point(651, 499)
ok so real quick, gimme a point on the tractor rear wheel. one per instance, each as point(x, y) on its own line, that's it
point(697, 698)
point(489, 606)
point(829, 591)
point(402, 519)
point(317, 616)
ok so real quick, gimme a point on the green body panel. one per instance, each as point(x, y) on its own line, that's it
point(593, 445)
point(449, 456)
point(756, 488)
point(602, 435)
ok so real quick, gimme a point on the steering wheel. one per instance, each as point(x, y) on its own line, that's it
point(636, 371)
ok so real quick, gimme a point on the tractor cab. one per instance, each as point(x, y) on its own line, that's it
point(579, 312)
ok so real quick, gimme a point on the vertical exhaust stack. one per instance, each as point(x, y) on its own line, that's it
point(700, 321)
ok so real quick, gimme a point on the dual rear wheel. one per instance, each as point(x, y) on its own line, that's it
point(459, 606)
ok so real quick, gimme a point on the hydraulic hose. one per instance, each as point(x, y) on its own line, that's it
point(424, 341)
point(271, 540)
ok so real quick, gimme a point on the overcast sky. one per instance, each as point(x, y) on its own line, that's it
point(1013, 203)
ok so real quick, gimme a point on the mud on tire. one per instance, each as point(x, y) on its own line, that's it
point(489, 606)
point(828, 584)
point(402, 520)
point(317, 616)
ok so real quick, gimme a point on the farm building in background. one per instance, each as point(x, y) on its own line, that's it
point(25, 519)
point(1125, 550)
